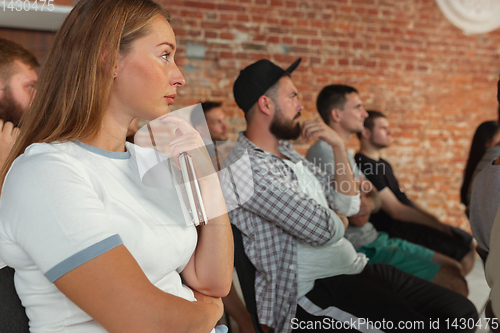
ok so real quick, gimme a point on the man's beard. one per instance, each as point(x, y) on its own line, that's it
point(10, 109)
point(284, 129)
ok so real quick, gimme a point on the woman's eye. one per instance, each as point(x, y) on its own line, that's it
point(165, 56)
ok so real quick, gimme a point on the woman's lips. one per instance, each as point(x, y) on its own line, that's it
point(170, 99)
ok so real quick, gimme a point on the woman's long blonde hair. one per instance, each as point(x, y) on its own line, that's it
point(75, 81)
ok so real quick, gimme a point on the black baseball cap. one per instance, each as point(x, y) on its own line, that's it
point(255, 79)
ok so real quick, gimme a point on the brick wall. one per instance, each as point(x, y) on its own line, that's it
point(435, 84)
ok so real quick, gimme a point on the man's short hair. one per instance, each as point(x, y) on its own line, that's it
point(10, 51)
point(332, 97)
point(370, 120)
point(197, 118)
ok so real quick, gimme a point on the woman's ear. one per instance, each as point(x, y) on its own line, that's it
point(105, 62)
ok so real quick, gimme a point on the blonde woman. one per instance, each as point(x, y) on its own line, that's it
point(93, 248)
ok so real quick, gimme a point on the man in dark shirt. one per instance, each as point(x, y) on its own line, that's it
point(399, 216)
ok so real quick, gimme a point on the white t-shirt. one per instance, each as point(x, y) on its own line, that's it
point(64, 204)
point(338, 255)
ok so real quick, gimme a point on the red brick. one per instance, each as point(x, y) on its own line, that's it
point(233, 8)
point(211, 34)
point(359, 11)
point(345, 9)
point(300, 50)
point(226, 55)
point(316, 42)
point(302, 23)
point(242, 18)
point(195, 33)
point(180, 32)
point(226, 35)
point(191, 13)
point(199, 4)
point(214, 25)
point(273, 39)
point(278, 30)
point(315, 60)
point(258, 19)
point(363, 2)
point(226, 17)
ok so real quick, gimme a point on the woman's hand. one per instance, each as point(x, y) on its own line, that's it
point(210, 269)
point(215, 301)
point(189, 140)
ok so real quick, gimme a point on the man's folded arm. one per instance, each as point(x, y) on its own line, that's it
point(284, 203)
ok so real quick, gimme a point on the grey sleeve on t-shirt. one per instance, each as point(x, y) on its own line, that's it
point(321, 154)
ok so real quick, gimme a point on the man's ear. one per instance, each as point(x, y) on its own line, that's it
point(265, 104)
point(336, 115)
point(366, 133)
point(201, 129)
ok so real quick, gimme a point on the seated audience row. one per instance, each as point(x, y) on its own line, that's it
point(293, 224)
point(399, 216)
point(307, 227)
point(341, 108)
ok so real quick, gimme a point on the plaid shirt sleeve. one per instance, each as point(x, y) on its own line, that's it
point(278, 198)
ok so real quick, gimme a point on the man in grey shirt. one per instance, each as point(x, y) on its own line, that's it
point(485, 201)
point(342, 109)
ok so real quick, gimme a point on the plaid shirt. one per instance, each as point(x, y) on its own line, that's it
point(272, 219)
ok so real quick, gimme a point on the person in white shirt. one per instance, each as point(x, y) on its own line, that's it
point(94, 249)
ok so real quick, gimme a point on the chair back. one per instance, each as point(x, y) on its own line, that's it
point(483, 254)
point(13, 317)
point(246, 275)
